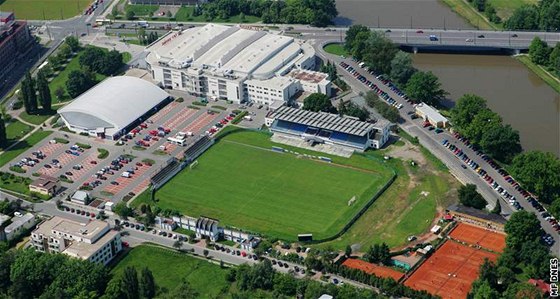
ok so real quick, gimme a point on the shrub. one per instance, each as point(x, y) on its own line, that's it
point(83, 145)
point(103, 153)
point(179, 100)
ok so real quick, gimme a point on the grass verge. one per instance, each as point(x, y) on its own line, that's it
point(36, 119)
point(335, 49)
point(16, 129)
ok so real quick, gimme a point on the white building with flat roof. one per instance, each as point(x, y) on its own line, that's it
point(94, 241)
point(19, 224)
point(219, 62)
point(431, 115)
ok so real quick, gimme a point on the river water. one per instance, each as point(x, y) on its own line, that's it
point(398, 14)
point(523, 100)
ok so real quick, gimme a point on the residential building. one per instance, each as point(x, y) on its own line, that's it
point(15, 41)
point(232, 63)
point(45, 185)
point(19, 224)
point(94, 241)
point(431, 115)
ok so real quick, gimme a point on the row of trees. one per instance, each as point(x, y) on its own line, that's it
point(387, 111)
point(146, 39)
point(35, 90)
point(468, 196)
point(132, 285)
point(250, 280)
point(30, 274)
point(319, 102)
point(484, 128)
point(381, 55)
point(543, 15)
point(524, 256)
point(378, 253)
point(314, 12)
point(541, 54)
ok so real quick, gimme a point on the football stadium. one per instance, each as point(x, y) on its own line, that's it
point(246, 181)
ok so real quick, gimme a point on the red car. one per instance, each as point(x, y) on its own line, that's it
point(153, 132)
point(125, 244)
point(93, 162)
point(167, 130)
point(143, 125)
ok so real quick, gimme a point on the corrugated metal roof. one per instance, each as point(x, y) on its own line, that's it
point(323, 121)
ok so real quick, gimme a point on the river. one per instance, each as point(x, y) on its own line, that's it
point(398, 13)
point(523, 100)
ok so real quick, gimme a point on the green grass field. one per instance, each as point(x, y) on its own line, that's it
point(24, 145)
point(16, 129)
point(44, 9)
point(241, 182)
point(170, 267)
point(36, 119)
point(469, 13)
point(335, 49)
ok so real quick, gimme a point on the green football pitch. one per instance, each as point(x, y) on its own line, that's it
point(45, 9)
point(247, 185)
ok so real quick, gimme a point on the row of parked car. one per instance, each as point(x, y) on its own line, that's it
point(508, 178)
point(372, 85)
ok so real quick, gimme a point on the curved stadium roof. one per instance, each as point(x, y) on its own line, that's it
point(113, 104)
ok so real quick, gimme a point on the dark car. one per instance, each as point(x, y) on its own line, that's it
point(481, 36)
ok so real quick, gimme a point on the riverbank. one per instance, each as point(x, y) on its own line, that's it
point(469, 13)
point(540, 71)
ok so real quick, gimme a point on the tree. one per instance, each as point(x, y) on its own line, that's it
point(501, 142)
point(78, 82)
point(29, 94)
point(178, 244)
point(112, 63)
point(554, 208)
point(64, 51)
point(184, 290)
point(466, 108)
point(380, 52)
point(469, 197)
point(55, 61)
point(130, 283)
point(44, 91)
point(3, 137)
point(485, 120)
point(522, 290)
point(130, 15)
point(538, 172)
point(348, 251)
point(402, 68)
point(115, 289)
point(524, 18)
point(479, 5)
point(59, 92)
point(168, 14)
point(425, 87)
point(318, 102)
point(539, 51)
point(73, 43)
point(485, 291)
point(522, 227)
point(554, 59)
point(497, 208)
point(147, 284)
point(122, 210)
point(93, 58)
point(351, 34)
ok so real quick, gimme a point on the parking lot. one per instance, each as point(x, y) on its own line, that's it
point(132, 160)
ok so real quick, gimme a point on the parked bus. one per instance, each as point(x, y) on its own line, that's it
point(177, 141)
point(101, 22)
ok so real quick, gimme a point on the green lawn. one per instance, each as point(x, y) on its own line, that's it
point(17, 184)
point(141, 9)
point(547, 77)
point(36, 119)
point(170, 267)
point(23, 146)
point(335, 49)
point(44, 9)
point(505, 8)
point(273, 193)
point(16, 129)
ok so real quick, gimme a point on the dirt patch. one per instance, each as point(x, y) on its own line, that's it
point(408, 152)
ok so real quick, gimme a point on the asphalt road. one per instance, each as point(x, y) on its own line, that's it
point(432, 141)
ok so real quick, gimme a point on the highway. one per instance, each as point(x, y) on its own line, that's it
point(433, 142)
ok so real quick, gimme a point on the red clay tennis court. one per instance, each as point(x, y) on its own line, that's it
point(373, 269)
point(450, 271)
point(479, 236)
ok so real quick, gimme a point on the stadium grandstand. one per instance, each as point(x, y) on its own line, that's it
point(197, 148)
point(327, 128)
